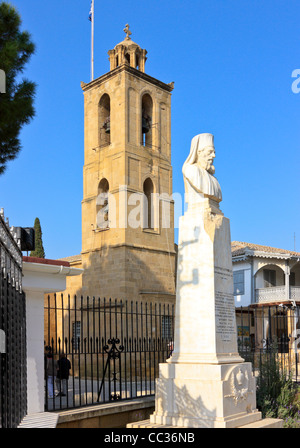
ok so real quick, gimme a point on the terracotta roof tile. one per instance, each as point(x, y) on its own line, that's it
point(238, 248)
point(61, 262)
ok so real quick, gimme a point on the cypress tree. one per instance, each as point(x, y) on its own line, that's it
point(16, 104)
point(39, 248)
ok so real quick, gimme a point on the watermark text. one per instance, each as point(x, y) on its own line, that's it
point(296, 83)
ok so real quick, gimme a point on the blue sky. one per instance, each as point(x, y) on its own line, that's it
point(232, 64)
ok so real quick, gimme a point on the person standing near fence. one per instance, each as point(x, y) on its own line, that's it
point(51, 371)
point(64, 367)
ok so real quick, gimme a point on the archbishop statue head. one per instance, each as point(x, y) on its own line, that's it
point(198, 170)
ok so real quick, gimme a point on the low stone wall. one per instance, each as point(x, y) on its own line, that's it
point(111, 415)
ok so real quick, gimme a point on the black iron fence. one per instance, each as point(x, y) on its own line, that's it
point(114, 349)
point(264, 330)
point(13, 363)
point(13, 368)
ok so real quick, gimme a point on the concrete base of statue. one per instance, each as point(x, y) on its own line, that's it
point(205, 383)
point(205, 396)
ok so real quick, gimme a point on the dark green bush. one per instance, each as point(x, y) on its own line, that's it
point(277, 395)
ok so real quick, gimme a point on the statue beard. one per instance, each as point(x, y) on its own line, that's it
point(211, 170)
point(206, 165)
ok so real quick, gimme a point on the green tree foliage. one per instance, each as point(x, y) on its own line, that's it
point(39, 248)
point(16, 105)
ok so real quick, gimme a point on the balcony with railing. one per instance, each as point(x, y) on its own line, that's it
point(277, 294)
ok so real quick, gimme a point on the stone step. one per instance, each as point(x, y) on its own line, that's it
point(39, 420)
point(264, 423)
point(147, 424)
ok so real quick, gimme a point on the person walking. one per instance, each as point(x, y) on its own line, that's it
point(63, 371)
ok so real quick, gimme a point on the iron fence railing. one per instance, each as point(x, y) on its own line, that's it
point(13, 361)
point(114, 349)
point(10, 252)
point(263, 330)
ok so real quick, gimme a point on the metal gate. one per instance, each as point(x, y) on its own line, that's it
point(13, 368)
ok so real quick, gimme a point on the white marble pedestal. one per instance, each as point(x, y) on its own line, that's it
point(205, 323)
point(205, 383)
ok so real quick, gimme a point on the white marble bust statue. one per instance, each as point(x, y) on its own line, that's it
point(198, 170)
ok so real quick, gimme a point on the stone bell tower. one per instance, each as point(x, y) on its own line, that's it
point(127, 207)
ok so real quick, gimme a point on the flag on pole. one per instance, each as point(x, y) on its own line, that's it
point(91, 12)
point(91, 19)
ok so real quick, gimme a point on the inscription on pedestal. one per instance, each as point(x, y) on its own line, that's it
point(224, 305)
point(225, 318)
point(224, 273)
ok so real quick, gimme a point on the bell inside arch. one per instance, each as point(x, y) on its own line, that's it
point(146, 124)
point(106, 125)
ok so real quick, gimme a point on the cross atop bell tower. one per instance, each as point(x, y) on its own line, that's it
point(127, 31)
point(128, 52)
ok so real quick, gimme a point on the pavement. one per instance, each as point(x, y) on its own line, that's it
point(85, 392)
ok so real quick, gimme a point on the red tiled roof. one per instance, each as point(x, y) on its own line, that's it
point(238, 248)
point(46, 261)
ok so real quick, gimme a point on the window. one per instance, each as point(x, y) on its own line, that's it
point(127, 58)
point(269, 278)
point(292, 279)
point(104, 120)
point(102, 205)
point(238, 283)
point(147, 110)
point(166, 327)
point(137, 61)
point(148, 204)
point(76, 328)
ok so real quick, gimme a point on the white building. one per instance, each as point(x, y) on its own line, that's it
point(264, 275)
point(267, 292)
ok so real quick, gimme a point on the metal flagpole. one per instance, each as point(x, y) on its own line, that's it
point(92, 43)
